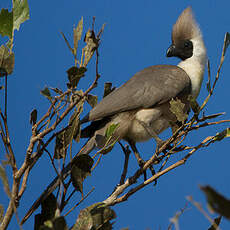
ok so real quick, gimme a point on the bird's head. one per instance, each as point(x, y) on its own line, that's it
point(185, 34)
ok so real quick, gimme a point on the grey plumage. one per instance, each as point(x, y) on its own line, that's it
point(152, 86)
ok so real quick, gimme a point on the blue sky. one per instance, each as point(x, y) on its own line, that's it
point(137, 35)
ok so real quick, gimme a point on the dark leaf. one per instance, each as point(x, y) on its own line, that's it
point(220, 136)
point(1, 87)
point(91, 46)
point(48, 226)
point(3, 72)
point(74, 126)
point(3, 177)
point(92, 100)
point(56, 90)
point(1, 213)
point(96, 216)
point(208, 85)
point(77, 32)
point(45, 92)
point(60, 146)
point(59, 223)
point(20, 13)
point(49, 207)
point(216, 201)
point(64, 138)
point(38, 221)
point(177, 108)
point(33, 117)
point(6, 23)
point(6, 61)
point(217, 222)
point(226, 42)
point(77, 96)
point(74, 75)
point(108, 88)
point(80, 169)
point(194, 105)
point(102, 215)
point(84, 221)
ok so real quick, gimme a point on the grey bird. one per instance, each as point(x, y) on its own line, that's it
point(141, 106)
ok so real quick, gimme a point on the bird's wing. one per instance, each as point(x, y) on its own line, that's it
point(147, 88)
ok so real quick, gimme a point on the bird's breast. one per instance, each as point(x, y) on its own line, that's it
point(153, 118)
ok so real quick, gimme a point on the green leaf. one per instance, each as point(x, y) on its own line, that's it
point(109, 140)
point(6, 61)
point(92, 100)
point(220, 136)
point(20, 13)
point(110, 130)
point(177, 108)
point(80, 169)
point(5, 182)
point(6, 23)
point(216, 201)
point(226, 42)
point(46, 93)
point(77, 32)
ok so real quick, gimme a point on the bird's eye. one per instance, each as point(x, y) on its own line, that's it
point(187, 44)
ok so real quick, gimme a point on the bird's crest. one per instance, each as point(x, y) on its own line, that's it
point(186, 27)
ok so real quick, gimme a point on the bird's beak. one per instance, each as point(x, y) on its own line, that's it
point(171, 51)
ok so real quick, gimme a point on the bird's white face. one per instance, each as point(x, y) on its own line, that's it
point(188, 45)
point(195, 65)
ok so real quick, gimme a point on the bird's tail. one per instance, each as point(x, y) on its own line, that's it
point(86, 149)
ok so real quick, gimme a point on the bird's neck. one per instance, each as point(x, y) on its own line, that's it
point(195, 65)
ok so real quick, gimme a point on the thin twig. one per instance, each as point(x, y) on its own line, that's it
point(113, 199)
point(80, 201)
point(98, 160)
point(199, 207)
point(6, 96)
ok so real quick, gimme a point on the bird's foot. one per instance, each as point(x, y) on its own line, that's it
point(160, 143)
point(141, 163)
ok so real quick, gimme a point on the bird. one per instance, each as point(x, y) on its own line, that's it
point(141, 107)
